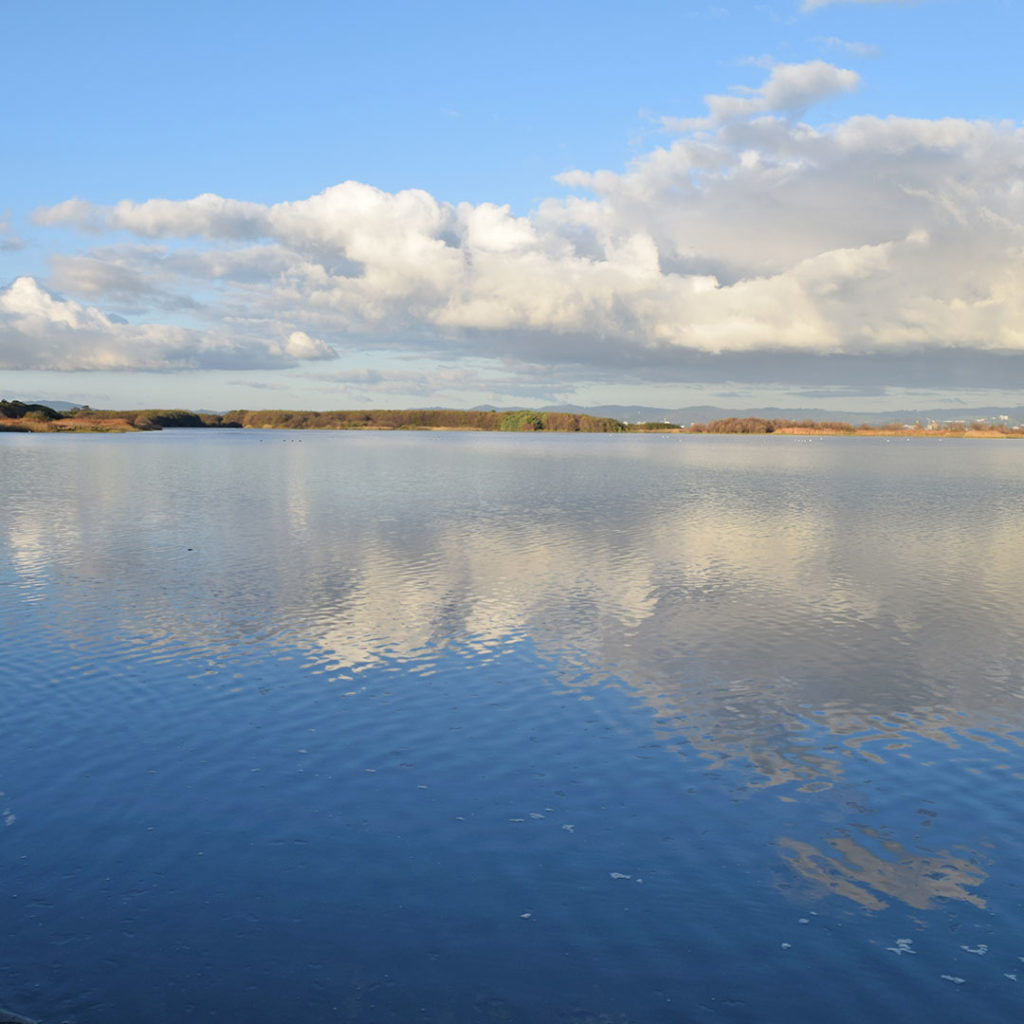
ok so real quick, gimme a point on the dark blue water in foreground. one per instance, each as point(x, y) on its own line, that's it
point(453, 727)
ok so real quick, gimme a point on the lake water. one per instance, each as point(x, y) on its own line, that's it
point(458, 727)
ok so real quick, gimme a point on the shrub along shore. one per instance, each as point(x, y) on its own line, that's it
point(21, 417)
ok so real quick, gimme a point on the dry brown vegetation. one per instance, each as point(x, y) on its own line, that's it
point(757, 425)
point(99, 424)
point(19, 417)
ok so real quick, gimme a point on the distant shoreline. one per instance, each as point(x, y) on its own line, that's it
point(21, 418)
point(25, 418)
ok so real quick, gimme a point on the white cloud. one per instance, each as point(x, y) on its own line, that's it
point(751, 235)
point(118, 279)
point(40, 331)
point(9, 242)
point(25, 301)
point(207, 216)
point(813, 5)
point(301, 346)
point(790, 89)
point(859, 49)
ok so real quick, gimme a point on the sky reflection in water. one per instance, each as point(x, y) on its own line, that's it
point(794, 665)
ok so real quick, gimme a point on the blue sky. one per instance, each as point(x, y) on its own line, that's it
point(327, 205)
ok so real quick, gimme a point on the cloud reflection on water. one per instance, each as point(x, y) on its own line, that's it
point(747, 595)
point(788, 614)
point(852, 870)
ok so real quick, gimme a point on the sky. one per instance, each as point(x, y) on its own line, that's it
point(325, 205)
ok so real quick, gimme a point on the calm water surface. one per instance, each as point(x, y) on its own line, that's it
point(454, 727)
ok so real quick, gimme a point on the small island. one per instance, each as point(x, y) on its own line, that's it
point(22, 417)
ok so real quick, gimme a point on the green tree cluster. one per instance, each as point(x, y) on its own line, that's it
point(420, 419)
point(142, 419)
point(522, 420)
point(18, 410)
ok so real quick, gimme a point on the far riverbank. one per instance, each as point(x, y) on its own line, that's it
point(24, 418)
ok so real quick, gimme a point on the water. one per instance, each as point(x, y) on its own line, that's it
point(456, 727)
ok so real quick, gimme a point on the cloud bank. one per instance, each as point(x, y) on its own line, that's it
point(751, 243)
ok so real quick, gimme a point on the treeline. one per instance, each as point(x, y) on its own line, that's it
point(757, 425)
point(292, 419)
point(21, 416)
point(419, 419)
point(19, 410)
point(999, 428)
point(148, 419)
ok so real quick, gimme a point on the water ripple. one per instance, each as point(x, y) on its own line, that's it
point(467, 728)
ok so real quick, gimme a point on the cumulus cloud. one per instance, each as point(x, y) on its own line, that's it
point(42, 331)
point(753, 243)
point(301, 346)
point(791, 89)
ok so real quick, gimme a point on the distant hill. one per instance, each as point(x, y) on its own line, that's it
point(55, 406)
